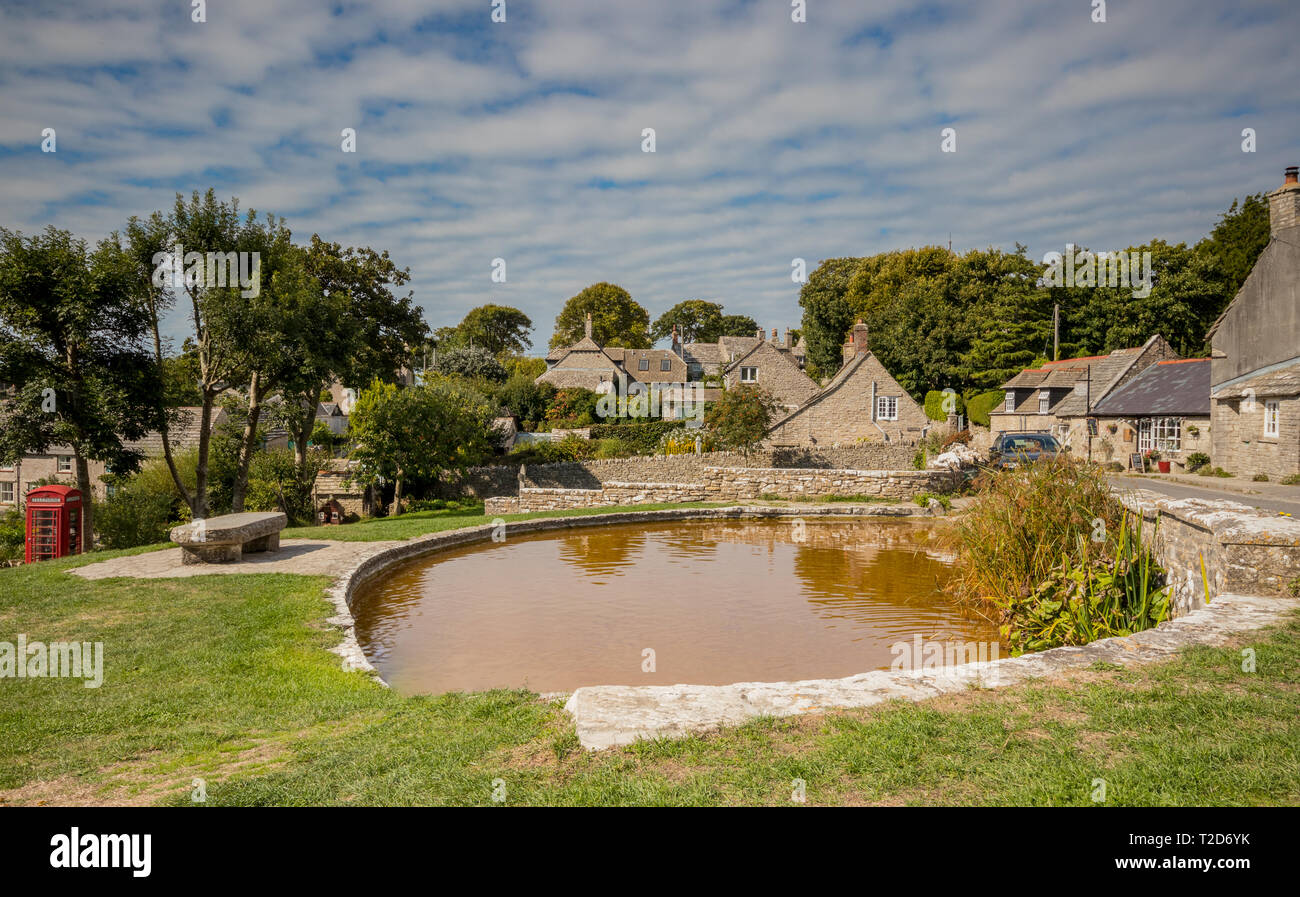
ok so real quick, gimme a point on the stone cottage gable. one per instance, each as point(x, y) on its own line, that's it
point(772, 369)
point(582, 365)
point(863, 403)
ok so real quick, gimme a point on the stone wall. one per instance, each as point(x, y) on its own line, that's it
point(731, 484)
point(1239, 443)
point(504, 479)
point(1245, 551)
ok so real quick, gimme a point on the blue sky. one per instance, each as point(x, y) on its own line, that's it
point(774, 139)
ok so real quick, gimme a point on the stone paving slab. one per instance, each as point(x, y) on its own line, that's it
point(616, 715)
point(307, 557)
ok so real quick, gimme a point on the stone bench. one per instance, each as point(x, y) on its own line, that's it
point(224, 539)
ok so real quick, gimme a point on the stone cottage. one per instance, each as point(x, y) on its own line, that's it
point(1059, 397)
point(1165, 408)
point(861, 403)
point(1255, 357)
point(770, 365)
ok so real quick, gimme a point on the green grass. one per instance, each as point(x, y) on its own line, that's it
point(227, 678)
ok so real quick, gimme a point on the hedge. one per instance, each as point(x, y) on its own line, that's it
point(934, 404)
point(642, 438)
point(978, 407)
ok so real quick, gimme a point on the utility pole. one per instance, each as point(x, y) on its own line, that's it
point(1056, 331)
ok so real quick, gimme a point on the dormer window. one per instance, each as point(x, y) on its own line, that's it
point(643, 364)
point(1011, 401)
point(665, 364)
point(1044, 401)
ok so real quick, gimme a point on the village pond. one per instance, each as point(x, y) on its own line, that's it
point(702, 602)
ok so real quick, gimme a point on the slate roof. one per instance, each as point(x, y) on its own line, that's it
point(1282, 382)
point(183, 432)
point(1165, 388)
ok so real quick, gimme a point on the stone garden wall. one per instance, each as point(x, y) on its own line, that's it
point(1245, 551)
point(731, 484)
point(503, 479)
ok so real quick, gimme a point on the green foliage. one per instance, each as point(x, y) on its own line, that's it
point(570, 448)
point(924, 498)
point(827, 312)
point(572, 407)
point(613, 448)
point(1100, 592)
point(1237, 240)
point(642, 437)
point(1291, 480)
point(499, 329)
point(1260, 478)
point(937, 401)
point(979, 406)
point(521, 366)
point(273, 485)
point(418, 432)
point(617, 319)
point(740, 418)
point(1196, 460)
point(526, 399)
point(138, 513)
point(696, 321)
point(732, 325)
point(13, 535)
point(1208, 471)
point(470, 362)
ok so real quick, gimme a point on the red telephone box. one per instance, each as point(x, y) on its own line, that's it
point(53, 522)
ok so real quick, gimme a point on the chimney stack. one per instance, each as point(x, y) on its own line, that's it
point(677, 343)
point(788, 344)
point(1284, 204)
point(759, 334)
point(588, 325)
point(774, 339)
point(861, 338)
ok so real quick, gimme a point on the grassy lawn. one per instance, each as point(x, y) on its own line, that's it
point(227, 678)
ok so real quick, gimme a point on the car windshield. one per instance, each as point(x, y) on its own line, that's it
point(1029, 443)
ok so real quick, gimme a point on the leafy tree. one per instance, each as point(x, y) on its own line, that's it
point(827, 312)
point(695, 319)
point(731, 325)
point(573, 407)
point(72, 346)
point(617, 319)
point(499, 329)
point(526, 399)
point(418, 432)
point(469, 362)
point(1237, 240)
point(740, 418)
point(180, 375)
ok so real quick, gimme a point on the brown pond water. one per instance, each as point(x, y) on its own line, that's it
point(717, 602)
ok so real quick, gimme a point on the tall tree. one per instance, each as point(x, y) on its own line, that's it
point(499, 329)
point(1237, 240)
point(418, 432)
point(827, 313)
point(695, 320)
point(617, 319)
point(72, 337)
point(730, 325)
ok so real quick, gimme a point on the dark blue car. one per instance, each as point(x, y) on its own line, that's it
point(1012, 449)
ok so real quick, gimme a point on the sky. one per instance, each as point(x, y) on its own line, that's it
point(774, 139)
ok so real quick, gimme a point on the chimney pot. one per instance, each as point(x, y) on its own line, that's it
point(1284, 203)
point(1291, 174)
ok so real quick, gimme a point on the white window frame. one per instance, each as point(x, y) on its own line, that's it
point(59, 461)
point(886, 407)
point(1163, 434)
point(10, 488)
point(1272, 418)
point(665, 364)
point(751, 371)
point(1010, 406)
point(1044, 401)
point(643, 364)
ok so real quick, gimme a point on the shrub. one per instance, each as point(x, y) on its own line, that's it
point(1196, 460)
point(572, 407)
point(739, 419)
point(471, 362)
point(1050, 551)
point(643, 437)
point(13, 535)
point(978, 407)
point(1260, 478)
point(1208, 471)
point(919, 459)
point(923, 499)
point(138, 513)
point(612, 448)
point(935, 400)
point(962, 438)
point(1291, 480)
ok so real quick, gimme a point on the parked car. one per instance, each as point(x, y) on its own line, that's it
point(1012, 449)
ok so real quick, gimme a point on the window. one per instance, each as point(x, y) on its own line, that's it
point(643, 365)
point(1272, 417)
point(6, 493)
point(886, 408)
point(748, 375)
point(665, 364)
point(1164, 434)
point(1044, 401)
point(63, 463)
point(1011, 401)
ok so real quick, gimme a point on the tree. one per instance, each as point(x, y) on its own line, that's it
point(731, 325)
point(526, 399)
point(827, 313)
point(72, 347)
point(418, 432)
point(469, 362)
point(740, 418)
point(617, 320)
point(1237, 240)
point(695, 320)
point(499, 329)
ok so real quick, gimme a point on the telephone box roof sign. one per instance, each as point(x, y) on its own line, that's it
point(67, 494)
